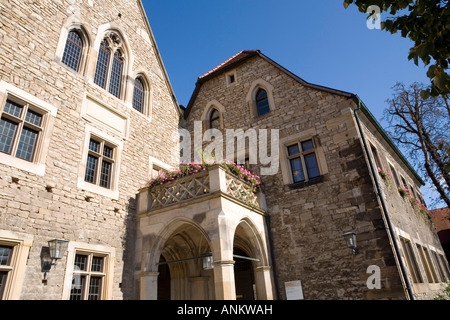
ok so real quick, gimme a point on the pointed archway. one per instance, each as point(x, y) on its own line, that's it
point(181, 275)
point(253, 279)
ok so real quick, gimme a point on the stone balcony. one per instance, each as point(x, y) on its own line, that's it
point(215, 180)
point(210, 213)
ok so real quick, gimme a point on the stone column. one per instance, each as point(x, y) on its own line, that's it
point(149, 286)
point(224, 280)
point(263, 279)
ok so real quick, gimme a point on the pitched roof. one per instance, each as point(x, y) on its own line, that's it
point(238, 56)
point(245, 55)
point(441, 222)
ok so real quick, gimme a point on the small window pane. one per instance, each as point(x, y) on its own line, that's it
point(138, 96)
point(7, 133)
point(97, 264)
point(293, 150)
point(102, 65)
point(105, 174)
point(297, 170)
point(311, 165)
point(94, 146)
point(91, 169)
point(76, 291)
point(27, 144)
point(3, 277)
point(33, 118)
point(116, 74)
point(72, 51)
point(80, 262)
point(13, 109)
point(94, 288)
point(307, 145)
point(107, 152)
point(5, 255)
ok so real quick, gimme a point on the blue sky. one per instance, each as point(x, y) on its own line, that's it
point(320, 41)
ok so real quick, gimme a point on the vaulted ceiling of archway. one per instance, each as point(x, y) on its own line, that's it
point(186, 242)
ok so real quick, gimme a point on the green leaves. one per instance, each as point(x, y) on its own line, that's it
point(427, 24)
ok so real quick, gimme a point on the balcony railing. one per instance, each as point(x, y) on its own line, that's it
point(214, 180)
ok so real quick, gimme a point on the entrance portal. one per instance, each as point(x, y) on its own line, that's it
point(163, 281)
point(244, 277)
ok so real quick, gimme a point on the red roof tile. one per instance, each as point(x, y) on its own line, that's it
point(442, 223)
point(234, 58)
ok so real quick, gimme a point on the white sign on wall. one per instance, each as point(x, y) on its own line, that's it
point(294, 290)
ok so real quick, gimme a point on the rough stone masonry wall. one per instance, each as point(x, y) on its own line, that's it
point(52, 206)
point(408, 221)
point(307, 224)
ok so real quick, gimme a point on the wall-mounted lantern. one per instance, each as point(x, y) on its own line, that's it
point(57, 248)
point(350, 239)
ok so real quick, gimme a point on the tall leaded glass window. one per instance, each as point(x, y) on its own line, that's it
point(100, 163)
point(110, 64)
point(138, 95)
point(20, 128)
point(262, 102)
point(101, 71)
point(116, 74)
point(73, 50)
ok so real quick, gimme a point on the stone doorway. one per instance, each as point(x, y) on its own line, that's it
point(163, 280)
point(244, 278)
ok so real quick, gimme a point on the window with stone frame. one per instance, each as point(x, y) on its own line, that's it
point(302, 161)
point(89, 276)
point(262, 102)
point(427, 264)
point(394, 174)
point(100, 162)
point(110, 64)
point(411, 260)
point(73, 50)
point(140, 95)
point(375, 155)
point(214, 119)
point(6, 267)
point(21, 127)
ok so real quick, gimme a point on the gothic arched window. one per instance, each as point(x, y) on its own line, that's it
point(73, 50)
point(139, 95)
point(110, 63)
point(214, 119)
point(262, 102)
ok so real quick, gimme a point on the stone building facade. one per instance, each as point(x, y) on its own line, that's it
point(84, 125)
point(87, 115)
point(341, 148)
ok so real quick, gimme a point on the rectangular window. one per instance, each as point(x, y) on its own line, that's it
point(437, 264)
point(303, 161)
point(444, 265)
point(21, 126)
point(100, 163)
point(6, 268)
point(394, 174)
point(375, 156)
point(88, 277)
point(423, 253)
point(411, 260)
